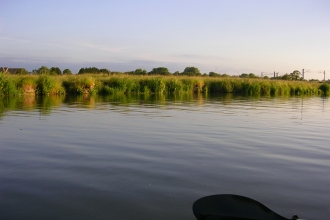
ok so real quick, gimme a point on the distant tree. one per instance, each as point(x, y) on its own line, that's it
point(244, 75)
point(105, 71)
point(42, 71)
point(295, 75)
point(67, 72)
point(89, 70)
point(21, 71)
point(159, 71)
point(214, 74)
point(140, 72)
point(286, 77)
point(176, 73)
point(55, 71)
point(252, 75)
point(191, 71)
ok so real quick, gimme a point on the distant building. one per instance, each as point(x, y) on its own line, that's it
point(9, 70)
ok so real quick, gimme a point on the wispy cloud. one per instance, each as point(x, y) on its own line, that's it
point(32, 42)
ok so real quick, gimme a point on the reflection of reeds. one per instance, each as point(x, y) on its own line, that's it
point(29, 101)
point(46, 103)
point(116, 84)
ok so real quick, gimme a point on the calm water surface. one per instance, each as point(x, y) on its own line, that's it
point(151, 157)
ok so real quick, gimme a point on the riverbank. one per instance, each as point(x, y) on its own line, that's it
point(113, 84)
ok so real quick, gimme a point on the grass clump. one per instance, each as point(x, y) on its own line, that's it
point(8, 85)
point(28, 85)
point(136, 84)
point(81, 85)
point(47, 85)
point(325, 88)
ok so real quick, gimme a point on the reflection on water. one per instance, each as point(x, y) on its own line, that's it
point(45, 104)
point(152, 156)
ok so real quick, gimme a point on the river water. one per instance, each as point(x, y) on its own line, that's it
point(151, 157)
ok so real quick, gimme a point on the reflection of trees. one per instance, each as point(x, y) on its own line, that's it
point(130, 102)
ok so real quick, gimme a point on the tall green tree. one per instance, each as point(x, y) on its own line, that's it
point(139, 72)
point(89, 70)
point(105, 71)
point(214, 74)
point(160, 71)
point(55, 71)
point(191, 71)
point(295, 75)
point(67, 72)
point(43, 70)
point(21, 71)
point(286, 77)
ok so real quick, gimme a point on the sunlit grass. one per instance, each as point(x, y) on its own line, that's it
point(128, 84)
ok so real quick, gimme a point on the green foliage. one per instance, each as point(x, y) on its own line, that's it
point(295, 75)
point(21, 71)
point(191, 71)
point(2, 82)
point(160, 71)
point(28, 84)
point(250, 75)
point(7, 85)
point(128, 84)
point(42, 71)
point(286, 77)
point(93, 70)
point(122, 85)
point(81, 85)
point(105, 71)
point(154, 85)
point(67, 72)
point(174, 85)
point(325, 88)
point(49, 85)
point(55, 71)
point(214, 74)
point(188, 84)
point(137, 72)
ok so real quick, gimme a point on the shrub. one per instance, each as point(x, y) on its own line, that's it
point(7, 85)
point(49, 85)
point(325, 88)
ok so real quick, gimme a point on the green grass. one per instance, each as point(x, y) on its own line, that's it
point(128, 84)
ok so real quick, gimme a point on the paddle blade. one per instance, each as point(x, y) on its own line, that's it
point(232, 207)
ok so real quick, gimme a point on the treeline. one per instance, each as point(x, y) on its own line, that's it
point(161, 71)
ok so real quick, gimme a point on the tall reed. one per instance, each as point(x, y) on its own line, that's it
point(128, 84)
point(47, 85)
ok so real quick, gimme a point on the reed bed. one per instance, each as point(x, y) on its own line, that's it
point(125, 84)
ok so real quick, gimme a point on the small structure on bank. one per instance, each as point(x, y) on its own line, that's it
point(10, 70)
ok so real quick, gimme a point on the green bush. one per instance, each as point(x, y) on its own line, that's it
point(49, 85)
point(7, 85)
point(325, 88)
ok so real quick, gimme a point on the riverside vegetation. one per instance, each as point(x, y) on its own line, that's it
point(91, 81)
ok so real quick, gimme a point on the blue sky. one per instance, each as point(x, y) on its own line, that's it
point(233, 36)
